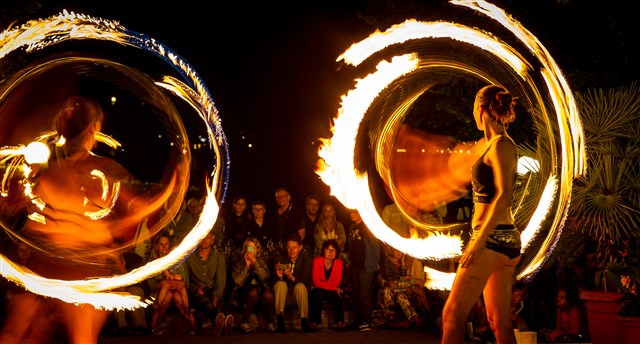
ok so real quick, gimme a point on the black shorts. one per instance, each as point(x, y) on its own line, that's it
point(505, 240)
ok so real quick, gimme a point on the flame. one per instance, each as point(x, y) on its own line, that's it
point(38, 34)
point(438, 280)
point(336, 167)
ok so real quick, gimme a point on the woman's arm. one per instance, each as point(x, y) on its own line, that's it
point(261, 269)
point(317, 273)
point(240, 272)
point(335, 280)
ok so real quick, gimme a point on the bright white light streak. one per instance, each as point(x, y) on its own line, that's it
point(535, 223)
point(412, 29)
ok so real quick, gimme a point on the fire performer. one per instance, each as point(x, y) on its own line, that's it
point(77, 219)
point(487, 266)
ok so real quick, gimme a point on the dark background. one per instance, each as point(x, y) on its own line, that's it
point(270, 66)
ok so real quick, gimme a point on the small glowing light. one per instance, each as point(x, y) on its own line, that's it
point(36, 153)
point(250, 145)
point(113, 100)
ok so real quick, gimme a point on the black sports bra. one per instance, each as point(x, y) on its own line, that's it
point(482, 182)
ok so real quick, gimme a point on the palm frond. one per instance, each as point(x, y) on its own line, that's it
point(605, 202)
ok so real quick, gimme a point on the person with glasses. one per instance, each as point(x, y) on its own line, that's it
point(287, 216)
point(259, 225)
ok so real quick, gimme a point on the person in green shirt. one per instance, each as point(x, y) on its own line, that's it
point(207, 271)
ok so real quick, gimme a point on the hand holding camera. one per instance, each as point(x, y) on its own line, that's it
point(282, 266)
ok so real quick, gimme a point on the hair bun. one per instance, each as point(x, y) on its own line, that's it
point(503, 98)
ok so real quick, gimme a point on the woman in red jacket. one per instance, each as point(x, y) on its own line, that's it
point(326, 277)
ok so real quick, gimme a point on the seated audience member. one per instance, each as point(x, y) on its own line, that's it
point(251, 278)
point(207, 270)
point(169, 287)
point(328, 227)
point(398, 288)
point(568, 319)
point(326, 279)
point(292, 281)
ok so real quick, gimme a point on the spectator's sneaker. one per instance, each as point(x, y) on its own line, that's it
point(245, 327)
point(281, 327)
point(219, 326)
point(271, 327)
point(228, 324)
point(364, 327)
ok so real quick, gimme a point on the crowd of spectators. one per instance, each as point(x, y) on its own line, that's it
point(259, 268)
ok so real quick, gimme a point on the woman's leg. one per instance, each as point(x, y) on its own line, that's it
point(268, 303)
point(251, 300)
point(497, 298)
point(176, 298)
point(315, 306)
point(163, 301)
point(338, 311)
point(83, 322)
point(184, 296)
point(467, 288)
point(181, 300)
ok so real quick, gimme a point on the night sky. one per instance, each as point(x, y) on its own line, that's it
point(270, 66)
